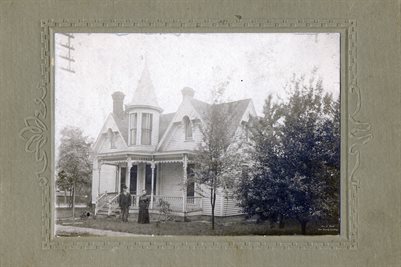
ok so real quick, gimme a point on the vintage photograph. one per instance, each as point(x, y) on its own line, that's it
point(197, 134)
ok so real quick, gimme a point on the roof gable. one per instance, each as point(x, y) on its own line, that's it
point(165, 120)
point(122, 125)
point(236, 110)
point(110, 123)
point(185, 109)
point(196, 109)
point(201, 107)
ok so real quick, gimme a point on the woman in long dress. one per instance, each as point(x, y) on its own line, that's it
point(144, 201)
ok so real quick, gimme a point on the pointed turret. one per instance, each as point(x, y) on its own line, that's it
point(144, 115)
point(144, 95)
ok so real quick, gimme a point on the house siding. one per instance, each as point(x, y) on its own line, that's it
point(206, 206)
point(230, 207)
point(226, 204)
point(170, 179)
point(105, 145)
point(95, 181)
point(176, 139)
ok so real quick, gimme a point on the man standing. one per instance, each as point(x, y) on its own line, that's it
point(124, 201)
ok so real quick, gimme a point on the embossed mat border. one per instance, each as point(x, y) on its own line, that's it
point(38, 134)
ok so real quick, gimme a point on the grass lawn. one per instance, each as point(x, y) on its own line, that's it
point(200, 226)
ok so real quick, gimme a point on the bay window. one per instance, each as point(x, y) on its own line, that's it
point(147, 121)
point(133, 128)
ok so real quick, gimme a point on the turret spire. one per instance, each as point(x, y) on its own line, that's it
point(144, 94)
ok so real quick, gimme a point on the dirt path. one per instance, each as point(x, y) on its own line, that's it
point(60, 229)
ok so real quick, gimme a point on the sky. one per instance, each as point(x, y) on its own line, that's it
point(247, 65)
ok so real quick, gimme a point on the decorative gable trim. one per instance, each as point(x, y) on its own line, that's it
point(104, 129)
point(176, 120)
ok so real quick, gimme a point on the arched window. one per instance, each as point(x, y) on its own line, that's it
point(187, 128)
point(111, 138)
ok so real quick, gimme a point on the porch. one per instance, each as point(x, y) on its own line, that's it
point(164, 177)
point(107, 204)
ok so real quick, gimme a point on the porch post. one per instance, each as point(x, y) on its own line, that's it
point(100, 171)
point(152, 166)
point(184, 187)
point(137, 187)
point(128, 173)
point(117, 178)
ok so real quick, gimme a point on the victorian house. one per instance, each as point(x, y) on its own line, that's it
point(143, 148)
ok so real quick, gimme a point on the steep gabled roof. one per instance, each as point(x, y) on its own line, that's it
point(235, 112)
point(200, 107)
point(165, 120)
point(122, 125)
point(115, 123)
point(236, 109)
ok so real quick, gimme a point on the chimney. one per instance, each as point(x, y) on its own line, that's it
point(118, 101)
point(187, 93)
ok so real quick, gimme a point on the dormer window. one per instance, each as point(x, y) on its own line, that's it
point(147, 121)
point(133, 128)
point(187, 128)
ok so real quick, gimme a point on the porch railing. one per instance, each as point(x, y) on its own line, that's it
point(101, 201)
point(176, 203)
point(134, 199)
point(110, 202)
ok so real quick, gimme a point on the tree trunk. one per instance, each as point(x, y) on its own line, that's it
point(73, 203)
point(213, 217)
point(65, 198)
point(213, 203)
point(281, 221)
point(70, 200)
point(303, 227)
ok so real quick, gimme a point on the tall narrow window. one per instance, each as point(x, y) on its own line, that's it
point(146, 138)
point(110, 135)
point(188, 128)
point(133, 128)
point(190, 180)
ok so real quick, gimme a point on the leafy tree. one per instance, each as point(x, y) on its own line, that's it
point(74, 165)
point(64, 183)
point(217, 159)
point(262, 190)
point(296, 169)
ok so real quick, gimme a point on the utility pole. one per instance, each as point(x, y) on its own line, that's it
point(68, 56)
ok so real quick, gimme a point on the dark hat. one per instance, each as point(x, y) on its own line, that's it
point(124, 186)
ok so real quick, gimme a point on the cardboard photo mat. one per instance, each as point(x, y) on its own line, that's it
point(28, 230)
